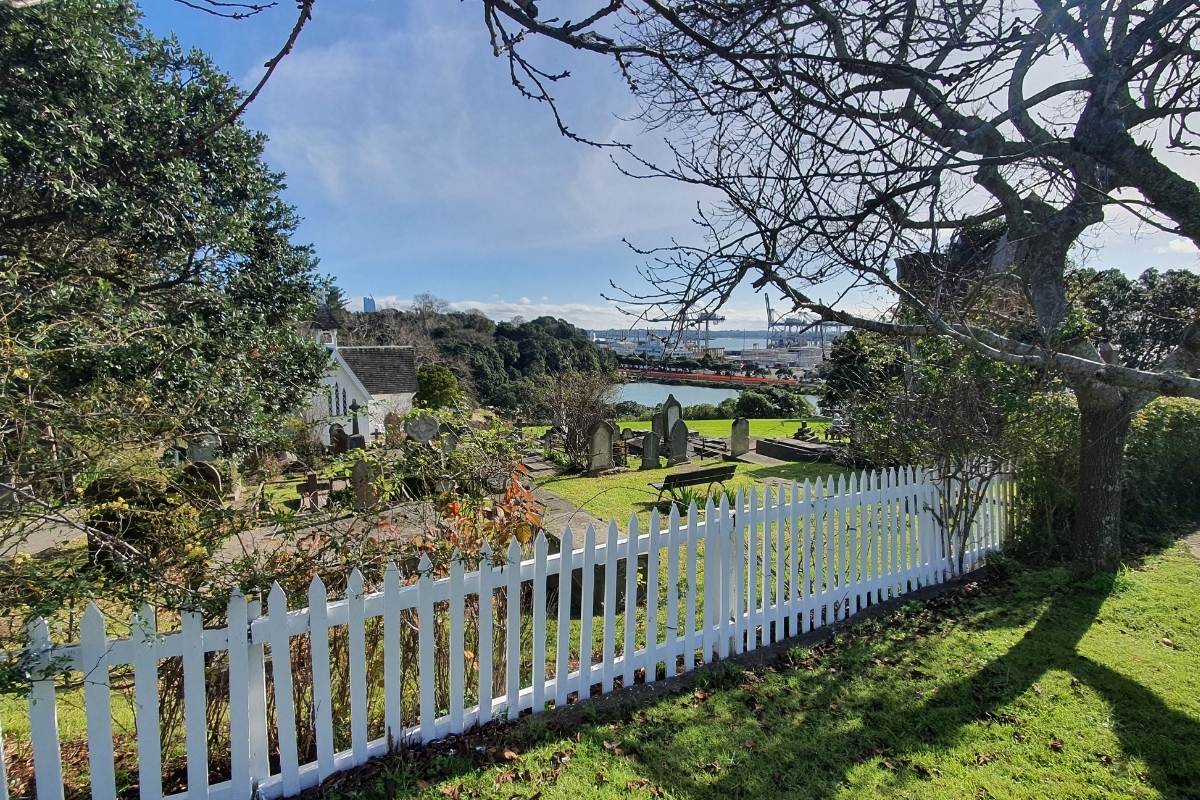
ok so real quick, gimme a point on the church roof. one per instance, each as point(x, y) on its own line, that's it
point(324, 319)
point(383, 370)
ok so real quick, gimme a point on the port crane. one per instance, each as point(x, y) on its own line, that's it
point(706, 320)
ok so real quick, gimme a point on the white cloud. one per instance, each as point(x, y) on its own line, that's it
point(1178, 245)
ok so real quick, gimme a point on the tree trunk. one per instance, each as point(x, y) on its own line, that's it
point(1104, 418)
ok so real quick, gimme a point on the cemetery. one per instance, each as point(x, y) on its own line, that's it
point(329, 466)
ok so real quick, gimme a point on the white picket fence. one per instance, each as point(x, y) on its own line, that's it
point(768, 568)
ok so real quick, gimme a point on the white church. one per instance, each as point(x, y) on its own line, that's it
point(367, 383)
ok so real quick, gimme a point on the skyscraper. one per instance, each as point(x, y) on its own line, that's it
point(368, 304)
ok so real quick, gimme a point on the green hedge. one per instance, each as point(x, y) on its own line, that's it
point(1161, 484)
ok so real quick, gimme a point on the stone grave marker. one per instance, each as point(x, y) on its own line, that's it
point(658, 426)
point(739, 437)
point(672, 412)
point(362, 480)
point(650, 451)
point(422, 427)
point(679, 444)
point(338, 440)
point(600, 446)
point(203, 448)
point(314, 495)
point(393, 429)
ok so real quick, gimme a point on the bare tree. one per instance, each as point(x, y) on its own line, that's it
point(838, 134)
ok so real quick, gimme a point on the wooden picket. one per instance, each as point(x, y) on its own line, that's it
point(744, 572)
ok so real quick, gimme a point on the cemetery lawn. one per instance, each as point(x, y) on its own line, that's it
point(614, 496)
point(1027, 686)
point(720, 428)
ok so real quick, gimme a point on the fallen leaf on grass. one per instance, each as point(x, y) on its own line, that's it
point(1056, 745)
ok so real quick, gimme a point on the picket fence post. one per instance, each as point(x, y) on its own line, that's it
point(562, 661)
point(631, 573)
point(356, 633)
point(587, 610)
point(652, 604)
point(143, 636)
point(457, 643)
point(484, 659)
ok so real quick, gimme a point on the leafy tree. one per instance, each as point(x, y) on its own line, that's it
point(500, 359)
point(1139, 320)
point(858, 361)
point(149, 283)
point(437, 387)
point(754, 404)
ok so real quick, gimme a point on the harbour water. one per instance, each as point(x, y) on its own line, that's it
point(652, 394)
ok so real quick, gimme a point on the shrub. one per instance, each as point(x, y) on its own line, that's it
point(1161, 484)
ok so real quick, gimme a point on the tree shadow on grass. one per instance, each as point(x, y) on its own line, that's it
point(834, 731)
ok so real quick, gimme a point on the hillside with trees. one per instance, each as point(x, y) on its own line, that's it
point(497, 362)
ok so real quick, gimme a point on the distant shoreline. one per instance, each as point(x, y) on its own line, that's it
point(712, 381)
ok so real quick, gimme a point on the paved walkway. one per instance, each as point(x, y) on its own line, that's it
point(560, 513)
point(1193, 543)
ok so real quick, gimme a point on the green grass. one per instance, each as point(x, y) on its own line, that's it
point(616, 495)
point(719, 428)
point(1036, 687)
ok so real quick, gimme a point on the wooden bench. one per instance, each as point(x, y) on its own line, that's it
point(704, 476)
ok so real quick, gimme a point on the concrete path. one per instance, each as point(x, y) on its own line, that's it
point(1193, 543)
point(560, 513)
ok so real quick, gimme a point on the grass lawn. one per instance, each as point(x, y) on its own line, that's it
point(1028, 687)
point(719, 428)
point(615, 496)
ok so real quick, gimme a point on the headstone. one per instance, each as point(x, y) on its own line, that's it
point(356, 441)
point(203, 448)
point(672, 412)
point(206, 475)
point(422, 427)
point(338, 440)
point(739, 437)
point(362, 479)
point(679, 444)
point(313, 494)
point(650, 451)
point(393, 429)
point(658, 426)
point(600, 446)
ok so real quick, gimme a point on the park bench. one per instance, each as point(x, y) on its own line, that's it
point(705, 476)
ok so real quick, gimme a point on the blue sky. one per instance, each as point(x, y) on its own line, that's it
point(418, 168)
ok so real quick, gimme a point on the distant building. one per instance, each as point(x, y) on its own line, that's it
point(368, 304)
point(381, 380)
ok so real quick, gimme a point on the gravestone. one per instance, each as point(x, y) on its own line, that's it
point(357, 440)
point(739, 437)
point(362, 479)
point(658, 426)
point(600, 446)
point(338, 440)
point(203, 448)
point(205, 475)
point(393, 429)
point(672, 412)
point(422, 427)
point(650, 451)
point(679, 444)
point(314, 495)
